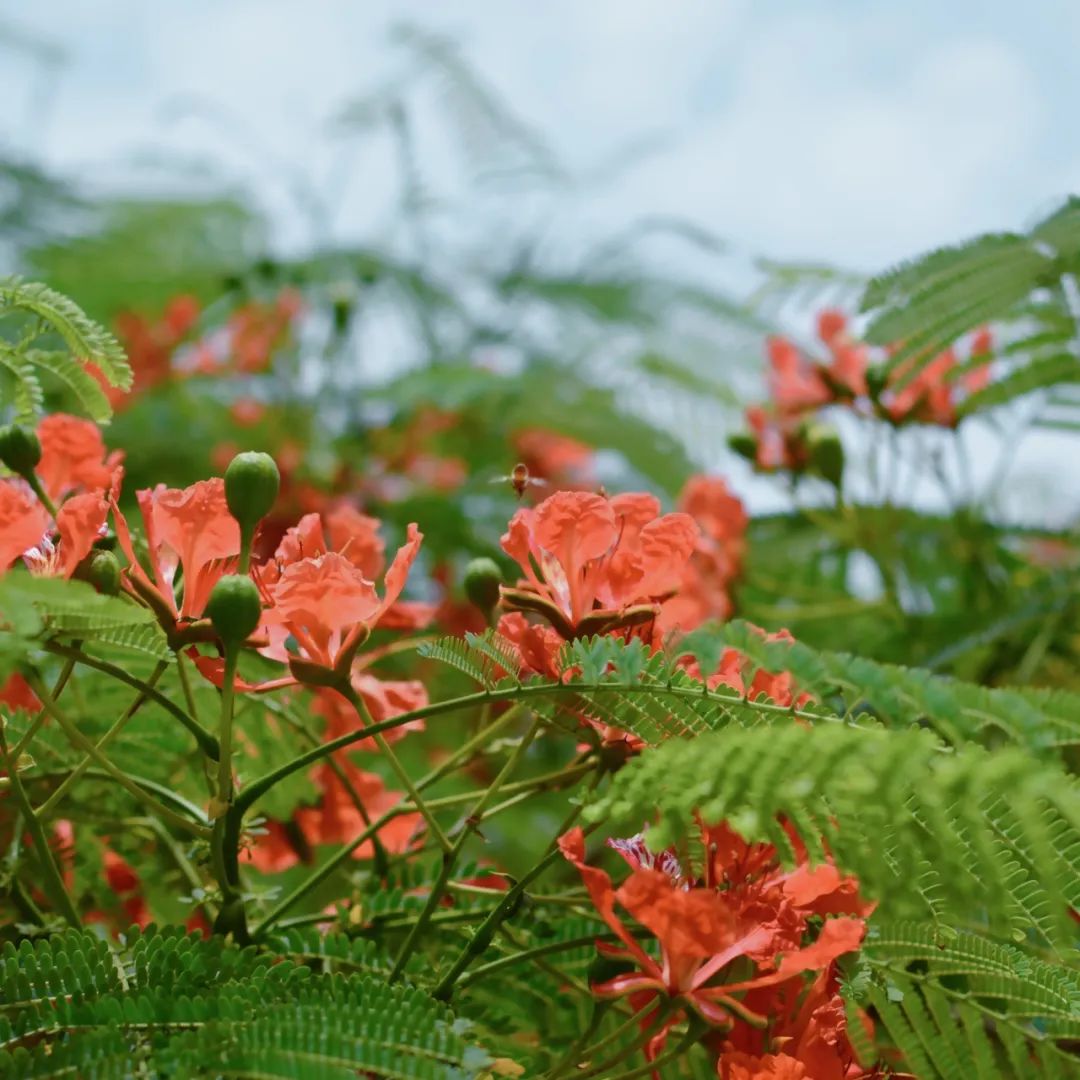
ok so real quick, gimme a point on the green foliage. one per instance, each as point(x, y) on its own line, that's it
point(964, 836)
point(959, 1005)
point(1024, 280)
point(959, 712)
point(44, 312)
point(39, 607)
point(164, 1003)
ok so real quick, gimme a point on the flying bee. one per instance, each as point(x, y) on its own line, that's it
point(519, 479)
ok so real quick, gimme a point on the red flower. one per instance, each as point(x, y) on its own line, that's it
point(593, 564)
point(717, 560)
point(23, 521)
point(15, 694)
point(736, 671)
point(328, 605)
point(932, 396)
point(744, 928)
point(795, 385)
point(189, 529)
point(73, 456)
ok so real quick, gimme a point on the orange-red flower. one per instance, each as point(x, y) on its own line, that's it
point(593, 564)
point(23, 521)
point(717, 559)
point(327, 604)
point(187, 529)
point(73, 456)
point(744, 925)
point(736, 671)
point(932, 396)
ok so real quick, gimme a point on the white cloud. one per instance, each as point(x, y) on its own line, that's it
point(839, 164)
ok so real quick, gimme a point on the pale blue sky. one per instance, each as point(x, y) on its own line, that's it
point(854, 130)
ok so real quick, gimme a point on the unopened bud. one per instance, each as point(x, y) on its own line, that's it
point(826, 454)
point(20, 449)
point(744, 444)
point(482, 580)
point(101, 570)
point(252, 481)
point(234, 608)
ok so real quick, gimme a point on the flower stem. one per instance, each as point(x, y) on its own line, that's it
point(49, 805)
point(318, 876)
point(35, 725)
point(51, 880)
point(450, 857)
point(207, 743)
point(357, 702)
point(224, 841)
point(80, 741)
point(508, 905)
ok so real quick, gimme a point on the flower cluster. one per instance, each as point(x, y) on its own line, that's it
point(746, 947)
point(786, 434)
point(73, 471)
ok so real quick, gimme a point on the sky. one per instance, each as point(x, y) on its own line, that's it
point(857, 132)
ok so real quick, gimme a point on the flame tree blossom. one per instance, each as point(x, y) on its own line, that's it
point(593, 564)
point(729, 935)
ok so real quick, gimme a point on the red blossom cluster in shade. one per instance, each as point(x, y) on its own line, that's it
point(780, 435)
point(744, 945)
point(76, 473)
point(161, 350)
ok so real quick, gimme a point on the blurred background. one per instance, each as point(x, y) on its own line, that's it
point(453, 224)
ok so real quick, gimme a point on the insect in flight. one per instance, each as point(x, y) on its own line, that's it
point(519, 479)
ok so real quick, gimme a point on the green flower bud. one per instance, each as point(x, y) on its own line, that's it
point(826, 454)
point(252, 481)
point(20, 449)
point(482, 580)
point(101, 570)
point(234, 608)
point(876, 381)
point(744, 444)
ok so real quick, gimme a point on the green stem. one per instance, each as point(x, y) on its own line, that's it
point(520, 694)
point(450, 858)
point(35, 724)
point(529, 954)
point(207, 743)
point(79, 740)
point(381, 858)
point(323, 872)
point(225, 841)
point(185, 685)
point(43, 496)
point(367, 724)
point(224, 792)
point(506, 907)
point(647, 1032)
point(247, 538)
point(676, 1053)
point(49, 805)
point(51, 880)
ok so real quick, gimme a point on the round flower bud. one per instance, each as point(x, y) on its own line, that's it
point(826, 454)
point(234, 608)
point(20, 449)
point(482, 580)
point(744, 444)
point(101, 570)
point(876, 380)
point(251, 487)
